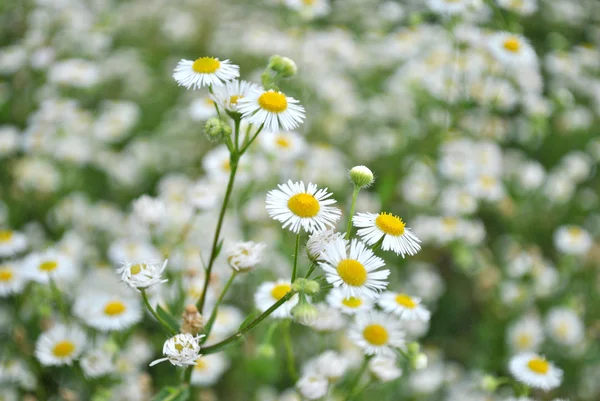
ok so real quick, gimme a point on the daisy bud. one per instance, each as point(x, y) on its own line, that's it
point(181, 350)
point(216, 130)
point(306, 286)
point(419, 361)
point(244, 256)
point(361, 176)
point(414, 348)
point(193, 322)
point(266, 351)
point(304, 313)
point(489, 383)
point(283, 65)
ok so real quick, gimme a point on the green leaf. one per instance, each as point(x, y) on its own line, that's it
point(249, 319)
point(168, 318)
point(172, 394)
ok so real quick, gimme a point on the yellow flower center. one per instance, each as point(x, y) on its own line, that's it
point(376, 334)
point(517, 3)
point(304, 205)
point(562, 330)
point(539, 365)
point(275, 102)
point(6, 274)
point(63, 349)
point(282, 141)
point(48, 266)
point(234, 99)
point(114, 308)
point(390, 224)
point(524, 341)
point(5, 235)
point(200, 365)
point(280, 290)
point(488, 182)
point(135, 269)
point(226, 166)
point(575, 231)
point(352, 272)
point(352, 302)
point(206, 65)
point(406, 301)
point(209, 102)
point(450, 222)
point(309, 2)
point(512, 44)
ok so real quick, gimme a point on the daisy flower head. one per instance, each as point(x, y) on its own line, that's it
point(377, 333)
point(107, 312)
point(12, 279)
point(270, 292)
point(297, 206)
point(318, 240)
point(204, 71)
point(142, 275)
point(396, 236)
point(60, 345)
point(209, 369)
point(181, 350)
point(271, 109)
point(348, 305)
point(43, 266)
point(511, 49)
point(228, 95)
point(11, 243)
point(535, 371)
point(572, 240)
point(403, 305)
point(384, 368)
point(244, 256)
point(353, 268)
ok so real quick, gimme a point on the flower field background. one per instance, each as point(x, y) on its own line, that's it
point(281, 200)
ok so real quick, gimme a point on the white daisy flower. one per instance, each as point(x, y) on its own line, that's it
point(523, 7)
point(377, 333)
point(535, 371)
point(348, 305)
point(318, 240)
point(298, 206)
point(40, 267)
point(204, 71)
point(448, 7)
point(403, 305)
point(287, 145)
point(384, 368)
point(313, 386)
point(97, 363)
point(309, 8)
point(270, 292)
point(328, 319)
point(202, 109)
point(396, 236)
point(209, 369)
point(108, 312)
point(572, 240)
point(275, 110)
point(511, 49)
point(243, 256)
point(142, 275)
point(353, 269)
point(329, 364)
point(60, 345)
point(11, 243)
point(526, 334)
point(12, 279)
point(181, 350)
point(565, 327)
point(227, 96)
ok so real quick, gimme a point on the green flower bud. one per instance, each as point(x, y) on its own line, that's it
point(306, 286)
point(489, 383)
point(266, 351)
point(216, 129)
point(286, 67)
point(304, 313)
point(419, 361)
point(361, 176)
point(414, 348)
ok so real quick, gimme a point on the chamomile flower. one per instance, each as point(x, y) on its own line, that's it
point(526, 334)
point(142, 275)
point(565, 327)
point(181, 350)
point(270, 292)
point(313, 386)
point(11, 243)
point(227, 96)
point(60, 345)
point(384, 368)
point(283, 145)
point(377, 333)
point(204, 71)
point(273, 110)
point(40, 267)
point(297, 206)
point(354, 269)
point(535, 371)
point(209, 369)
point(202, 109)
point(108, 312)
point(572, 240)
point(243, 256)
point(97, 363)
point(317, 242)
point(396, 236)
point(348, 305)
point(12, 279)
point(512, 49)
point(403, 305)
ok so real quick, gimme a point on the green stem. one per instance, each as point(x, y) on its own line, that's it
point(156, 315)
point(59, 300)
point(352, 392)
point(247, 145)
point(210, 89)
point(187, 375)
point(352, 207)
point(213, 314)
point(218, 346)
point(237, 133)
point(294, 270)
point(310, 270)
point(213, 252)
point(291, 363)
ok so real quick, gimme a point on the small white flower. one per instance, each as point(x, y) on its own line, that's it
point(107, 312)
point(228, 95)
point(384, 368)
point(313, 386)
point(209, 369)
point(298, 206)
point(12, 279)
point(403, 305)
point(318, 240)
point(348, 305)
point(329, 364)
point(572, 240)
point(354, 269)
point(243, 256)
point(565, 327)
point(40, 267)
point(142, 275)
point(60, 345)
point(11, 243)
point(512, 50)
point(309, 8)
point(526, 334)
point(270, 292)
point(96, 363)
point(377, 333)
point(149, 210)
point(396, 236)
point(535, 371)
point(273, 110)
point(204, 71)
point(181, 350)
